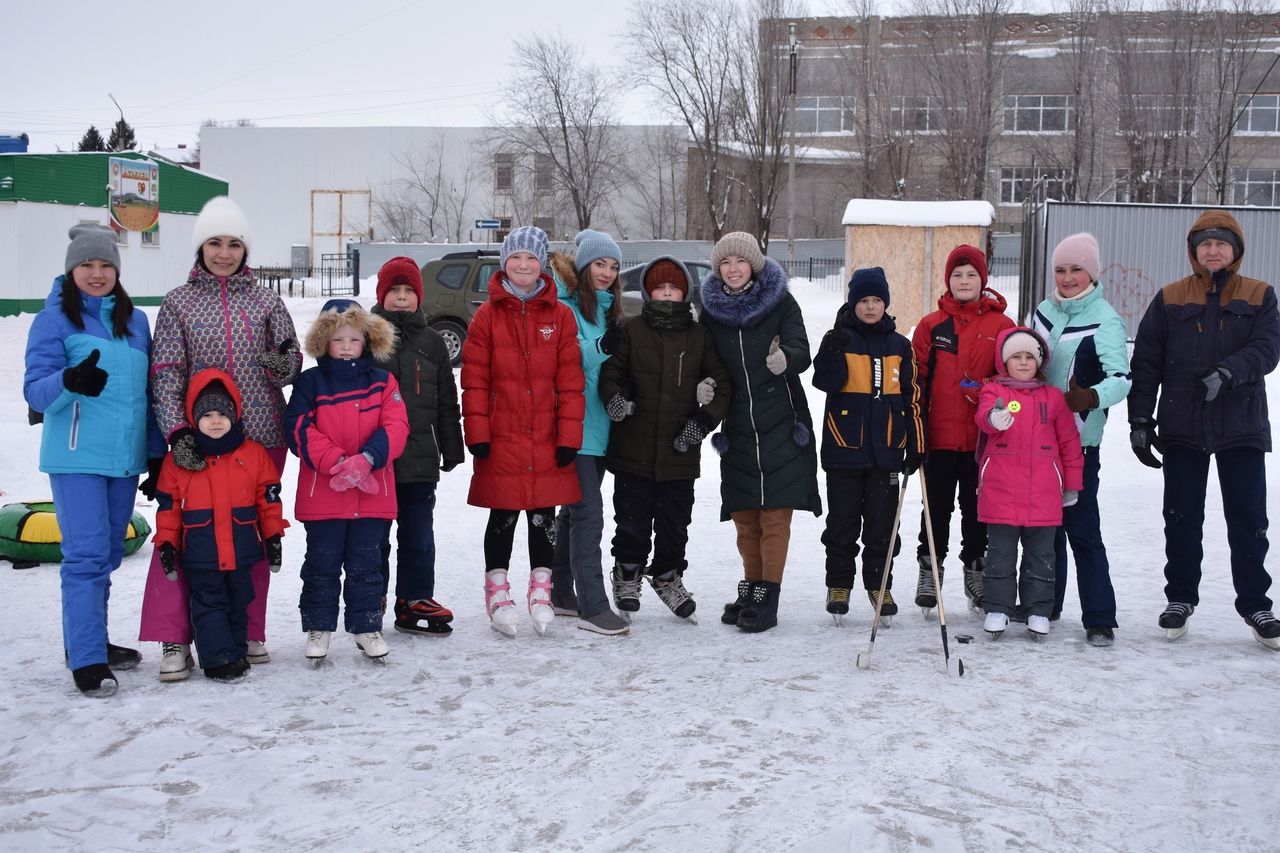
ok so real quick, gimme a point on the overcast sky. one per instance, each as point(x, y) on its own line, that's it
point(280, 63)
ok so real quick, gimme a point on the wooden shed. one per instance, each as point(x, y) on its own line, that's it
point(911, 241)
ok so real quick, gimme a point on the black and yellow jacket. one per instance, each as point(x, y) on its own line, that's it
point(872, 417)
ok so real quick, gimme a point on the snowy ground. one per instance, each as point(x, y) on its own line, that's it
point(678, 737)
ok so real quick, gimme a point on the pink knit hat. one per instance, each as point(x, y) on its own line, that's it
point(1079, 249)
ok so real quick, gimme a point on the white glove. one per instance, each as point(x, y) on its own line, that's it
point(1069, 497)
point(706, 391)
point(999, 416)
point(776, 360)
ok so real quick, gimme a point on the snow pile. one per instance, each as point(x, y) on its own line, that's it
point(879, 211)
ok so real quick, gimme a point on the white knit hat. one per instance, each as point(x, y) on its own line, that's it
point(221, 217)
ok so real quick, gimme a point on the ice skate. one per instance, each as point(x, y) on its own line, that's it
point(373, 645)
point(498, 604)
point(627, 580)
point(1266, 629)
point(257, 653)
point(888, 609)
point(670, 588)
point(96, 680)
point(1099, 635)
point(229, 673)
point(176, 662)
point(317, 647)
point(995, 624)
point(926, 592)
point(837, 604)
point(425, 617)
point(973, 584)
point(119, 657)
point(1174, 619)
point(539, 598)
point(1038, 627)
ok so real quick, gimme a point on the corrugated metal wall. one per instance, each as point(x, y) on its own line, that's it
point(1144, 247)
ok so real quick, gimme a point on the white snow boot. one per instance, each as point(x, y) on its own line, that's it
point(539, 598)
point(176, 662)
point(995, 623)
point(1266, 629)
point(317, 645)
point(498, 604)
point(258, 653)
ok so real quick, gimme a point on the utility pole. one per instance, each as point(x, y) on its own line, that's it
point(791, 168)
point(120, 127)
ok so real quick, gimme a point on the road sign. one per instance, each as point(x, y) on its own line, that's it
point(488, 224)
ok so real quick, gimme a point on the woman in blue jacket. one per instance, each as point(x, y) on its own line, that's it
point(86, 372)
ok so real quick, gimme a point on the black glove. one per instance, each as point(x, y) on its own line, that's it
point(690, 435)
point(186, 451)
point(148, 486)
point(1214, 381)
point(618, 408)
point(448, 465)
point(836, 340)
point(279, 362)
point(86, 377)
point(608, 342)
point(565, 456)
point(169, 561)
point(1143, 440)
point(911, 463)
point(275, 554)
point(480, 451)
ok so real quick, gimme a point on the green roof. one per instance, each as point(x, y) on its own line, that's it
point(81, 179)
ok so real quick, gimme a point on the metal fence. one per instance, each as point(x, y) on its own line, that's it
point(813, 268)
point(333, 276)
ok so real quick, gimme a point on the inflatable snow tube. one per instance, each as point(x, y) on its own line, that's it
point(29, 534)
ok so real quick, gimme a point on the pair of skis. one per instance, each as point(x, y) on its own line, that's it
point(954, 666)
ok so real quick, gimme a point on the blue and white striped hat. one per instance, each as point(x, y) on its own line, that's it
point(526, 238)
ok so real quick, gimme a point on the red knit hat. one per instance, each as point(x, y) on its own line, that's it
point(970, 255)
point(400, 270)
point(666, 271)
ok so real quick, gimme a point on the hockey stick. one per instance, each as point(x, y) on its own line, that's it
point(956, 668)
point(864, 658)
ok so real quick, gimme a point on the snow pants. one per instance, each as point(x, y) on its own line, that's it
point(334, 546)
point(1003, 584)
point(415, 543)
point(93, 514)
point(647, 510)
point(220, 614)
point(860, 502)
point(952, 479)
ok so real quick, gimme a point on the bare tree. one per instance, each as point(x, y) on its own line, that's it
point(455, 204)
point(429, 202)
point(656, 175)
point(397, 216)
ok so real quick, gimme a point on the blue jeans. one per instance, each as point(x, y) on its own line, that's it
point(1081, 526)
point(220, 614)
point(579, 529)
point(415, 543)
point(353, 545)
point(93, 514)
point(1243, 480)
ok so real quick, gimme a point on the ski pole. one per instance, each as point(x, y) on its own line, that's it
point(956, 668)
point(864, 658)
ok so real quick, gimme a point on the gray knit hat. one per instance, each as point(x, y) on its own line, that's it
point(743, 245)
point(592, 246)
point(526, 238)
point(214, 398)
point(92, 242)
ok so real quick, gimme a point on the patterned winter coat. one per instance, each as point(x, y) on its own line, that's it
point(873, 399)
point(522, 387)
point(424, 373)
point(1023, 471)
point(1198, 323)
point(342, 407)
point(104, 435)
point(224, 323)
point(218, 518)
point(768, 459)
point(1090, 347)
point(955, 354)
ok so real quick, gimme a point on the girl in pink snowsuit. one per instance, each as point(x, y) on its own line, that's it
point(1029, 467)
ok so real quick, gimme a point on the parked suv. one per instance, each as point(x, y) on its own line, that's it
point(453, 287)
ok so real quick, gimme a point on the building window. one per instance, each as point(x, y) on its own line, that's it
point(916, 113)
point(1260, 187)
point(1157, 114)
point(1261, 114)
point(1016, 183)
point(504, 172)
point(546, 223)
point(1039, 114)
point(151, 238)
point(544, 173)
point(824, 114)
point(1172, 187)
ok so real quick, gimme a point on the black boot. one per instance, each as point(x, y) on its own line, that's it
point(761, 613)
point(229, 672)
point(96, 680)
point(733, 609)
point(121, 657)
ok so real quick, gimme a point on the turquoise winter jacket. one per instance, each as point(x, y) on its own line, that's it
point(596, 424)
point(104, 435)
point(1087, 343)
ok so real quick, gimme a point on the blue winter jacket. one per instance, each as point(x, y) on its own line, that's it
point(1088, 343)
point(104, 435)
point(596, 424)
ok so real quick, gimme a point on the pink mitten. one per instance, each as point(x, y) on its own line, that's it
point(349, 471)
point(369, 484)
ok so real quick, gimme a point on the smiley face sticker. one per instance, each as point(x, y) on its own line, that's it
point(1015, 407)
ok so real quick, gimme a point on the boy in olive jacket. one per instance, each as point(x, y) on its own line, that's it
point(665, 388)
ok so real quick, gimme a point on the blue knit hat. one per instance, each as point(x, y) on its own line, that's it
point(869, 281)
point(526, 238)
point(592, 246)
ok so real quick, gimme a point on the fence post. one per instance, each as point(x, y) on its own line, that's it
point(355, 271)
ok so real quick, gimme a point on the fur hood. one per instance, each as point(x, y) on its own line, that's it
point(562, 269)
point(745, 311)
point(379, 336)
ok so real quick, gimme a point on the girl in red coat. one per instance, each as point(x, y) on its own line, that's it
point(347, 423)
point(522, 411)
point(1029, 467)
point(955, 350)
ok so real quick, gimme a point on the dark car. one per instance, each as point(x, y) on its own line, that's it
point(453, 287)
point(633, 299)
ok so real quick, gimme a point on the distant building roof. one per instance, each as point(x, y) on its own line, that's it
point(878, 211)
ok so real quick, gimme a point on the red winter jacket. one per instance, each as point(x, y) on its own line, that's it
point(522, 388)
point(1023, 471)
point(218, 518)
point(955, 350)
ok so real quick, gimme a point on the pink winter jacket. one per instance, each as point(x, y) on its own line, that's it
point(1023, 471)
